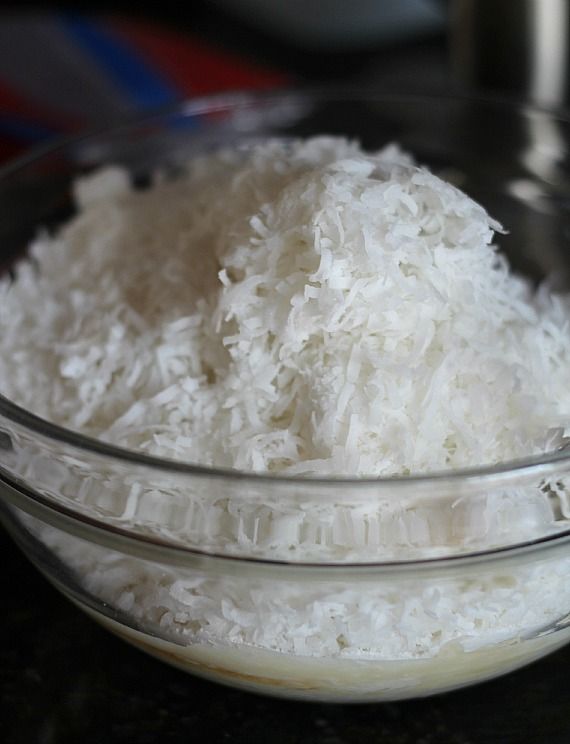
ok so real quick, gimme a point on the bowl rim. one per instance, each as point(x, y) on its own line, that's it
point(154, 547)
point(484, 476)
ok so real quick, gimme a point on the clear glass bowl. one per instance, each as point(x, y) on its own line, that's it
point(337, 590)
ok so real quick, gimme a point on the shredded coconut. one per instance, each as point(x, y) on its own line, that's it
point(300, 307)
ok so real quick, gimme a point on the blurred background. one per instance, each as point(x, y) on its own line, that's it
point(64, 66)
point(67, 66)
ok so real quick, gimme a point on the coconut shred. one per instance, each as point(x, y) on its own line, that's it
point(299, 308)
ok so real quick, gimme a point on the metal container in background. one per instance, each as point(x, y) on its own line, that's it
point(519, 47)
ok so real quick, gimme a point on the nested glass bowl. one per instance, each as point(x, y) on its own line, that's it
point(324, 589)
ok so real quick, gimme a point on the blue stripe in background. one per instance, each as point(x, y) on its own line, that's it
point(143, 85)
point(24, 129)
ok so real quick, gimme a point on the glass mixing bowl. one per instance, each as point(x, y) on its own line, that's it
point(338, 589)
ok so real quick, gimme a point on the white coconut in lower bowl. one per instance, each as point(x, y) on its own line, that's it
point(371, 633)
point(342, 680)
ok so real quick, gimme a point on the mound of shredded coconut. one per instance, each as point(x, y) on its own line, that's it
point(301, 307)
point(307, 308)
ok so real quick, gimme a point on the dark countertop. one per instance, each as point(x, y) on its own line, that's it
point(63, 679)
